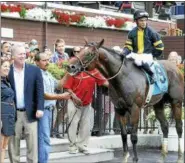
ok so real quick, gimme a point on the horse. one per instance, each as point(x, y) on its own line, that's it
point(128, 87)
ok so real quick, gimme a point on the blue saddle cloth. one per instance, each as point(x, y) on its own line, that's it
point(161, 83)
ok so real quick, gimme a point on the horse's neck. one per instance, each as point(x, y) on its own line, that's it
point(111, 64)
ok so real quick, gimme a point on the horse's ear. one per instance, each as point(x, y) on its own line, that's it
point(86, 40)
point(100, 43)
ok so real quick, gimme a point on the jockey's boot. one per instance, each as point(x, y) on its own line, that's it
point(147, 68)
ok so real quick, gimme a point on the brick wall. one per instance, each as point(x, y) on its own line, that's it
point(75, 35)
point(25, 30)
point(174, 43)
point(158, 25)
point(180, 24)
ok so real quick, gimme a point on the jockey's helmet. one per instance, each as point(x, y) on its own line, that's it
point(140, 14)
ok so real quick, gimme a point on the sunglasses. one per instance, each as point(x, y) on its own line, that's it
point(76, 51)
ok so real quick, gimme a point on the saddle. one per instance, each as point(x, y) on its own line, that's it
point(160, 85)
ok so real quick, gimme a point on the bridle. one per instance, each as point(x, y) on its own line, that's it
point(84, 66)
point(96, 55)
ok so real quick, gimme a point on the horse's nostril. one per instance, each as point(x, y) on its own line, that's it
point(73, 67)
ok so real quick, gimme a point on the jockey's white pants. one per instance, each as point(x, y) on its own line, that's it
point(82, 116)
point(139, 59)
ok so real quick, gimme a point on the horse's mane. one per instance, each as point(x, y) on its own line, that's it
point(103, 47)
point(110, 50)
point(116, 54)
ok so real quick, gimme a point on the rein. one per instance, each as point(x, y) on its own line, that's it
point(109, 77)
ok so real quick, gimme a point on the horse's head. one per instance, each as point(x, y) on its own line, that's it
point(86, 59)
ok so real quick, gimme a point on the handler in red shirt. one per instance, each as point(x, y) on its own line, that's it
point(82, 86)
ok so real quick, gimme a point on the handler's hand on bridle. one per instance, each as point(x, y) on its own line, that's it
point(76, 100)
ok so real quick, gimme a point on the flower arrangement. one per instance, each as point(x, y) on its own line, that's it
point(21, 9)
point(117, 22)
point(67, 18)
point(56, 71)
point(39, 14)
point(94, 22)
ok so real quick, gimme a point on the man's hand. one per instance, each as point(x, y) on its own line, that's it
point(39, 113)
point(65, 96)
point(76, 99)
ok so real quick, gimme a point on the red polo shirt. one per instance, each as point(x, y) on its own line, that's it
point(83, 85)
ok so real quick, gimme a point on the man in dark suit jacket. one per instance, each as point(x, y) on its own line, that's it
point(27, 82)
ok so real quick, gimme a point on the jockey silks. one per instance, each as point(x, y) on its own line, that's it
point(144, 41)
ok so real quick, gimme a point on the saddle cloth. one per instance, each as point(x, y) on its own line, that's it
point(161, 84)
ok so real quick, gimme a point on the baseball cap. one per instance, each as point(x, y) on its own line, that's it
point(32, 48)
point(33, 42)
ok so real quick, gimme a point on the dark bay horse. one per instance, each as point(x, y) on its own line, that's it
point(129, 88)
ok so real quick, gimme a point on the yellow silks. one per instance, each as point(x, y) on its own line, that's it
point(129, 47)
point(157, 43)
point(128, 42)
point(140, 41)
point(160, 48)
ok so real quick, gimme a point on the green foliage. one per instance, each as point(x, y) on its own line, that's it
point(151, 116)
point(167, 112)
point(181, 68)
point(22, 13)
point(65, 64)
point(82, 19)
point(56, 72)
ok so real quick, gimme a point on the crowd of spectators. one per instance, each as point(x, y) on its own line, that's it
point(33, 92)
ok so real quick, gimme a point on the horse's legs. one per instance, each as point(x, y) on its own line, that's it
point(159, 112)
point(134, 122)
point(134, 140)
point(177, 112)
point(122, 124)
point(123, 134)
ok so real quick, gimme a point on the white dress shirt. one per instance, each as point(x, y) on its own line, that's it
point(19, 87)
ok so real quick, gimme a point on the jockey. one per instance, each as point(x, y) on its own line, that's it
point(143, 44)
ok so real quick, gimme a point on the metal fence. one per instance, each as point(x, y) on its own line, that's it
point(104, 121)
